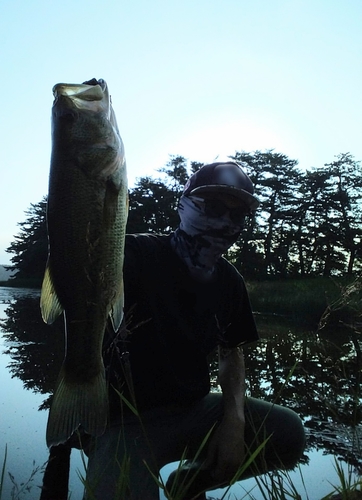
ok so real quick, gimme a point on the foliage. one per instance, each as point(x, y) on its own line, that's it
point(30, 246)
point(153, 202)
point(309, 222)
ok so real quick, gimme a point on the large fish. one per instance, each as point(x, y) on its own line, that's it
point(86, 217)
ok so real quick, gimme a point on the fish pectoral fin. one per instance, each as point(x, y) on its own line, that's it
point(75, 405)
point(117, 311)
point(50, 305)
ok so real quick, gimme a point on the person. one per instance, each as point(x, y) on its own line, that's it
point(183, 300)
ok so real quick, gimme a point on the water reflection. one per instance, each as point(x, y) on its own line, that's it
point(319, 376)
point(316, 374)
point(36, 349)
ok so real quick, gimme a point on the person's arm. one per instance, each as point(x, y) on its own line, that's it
point(226, 449)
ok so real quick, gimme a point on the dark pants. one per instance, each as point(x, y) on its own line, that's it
point(121, 454)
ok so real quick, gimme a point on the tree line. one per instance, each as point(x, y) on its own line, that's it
point(308, 223)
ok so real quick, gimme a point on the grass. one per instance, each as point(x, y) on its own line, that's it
point(19, 491)
point(276, 485)
point(3, 471)
point(307, 300)
point(279, 486)
point(349, 486)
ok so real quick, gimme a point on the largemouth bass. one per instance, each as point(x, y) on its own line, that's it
point(86, 217)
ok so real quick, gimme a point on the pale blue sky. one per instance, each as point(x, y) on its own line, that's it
point(200, 78)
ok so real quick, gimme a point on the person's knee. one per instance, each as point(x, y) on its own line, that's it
point(288, 439)
point(279, 432)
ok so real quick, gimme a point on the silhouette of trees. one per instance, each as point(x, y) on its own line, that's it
point(30, 246)
point(309, 222)
point(153, 202)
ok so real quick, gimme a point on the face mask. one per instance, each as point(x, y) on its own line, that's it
point(201, 237)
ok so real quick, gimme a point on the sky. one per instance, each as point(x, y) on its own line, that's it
point(197, 78)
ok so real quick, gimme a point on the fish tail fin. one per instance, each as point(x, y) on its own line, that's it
point(77, 404)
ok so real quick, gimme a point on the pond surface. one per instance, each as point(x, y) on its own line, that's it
point(316, 374)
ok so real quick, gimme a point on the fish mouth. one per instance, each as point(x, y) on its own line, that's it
point(92, 90)
point(92, 94)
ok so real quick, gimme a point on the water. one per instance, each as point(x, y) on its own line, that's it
point(22, 425)
point(324, 389)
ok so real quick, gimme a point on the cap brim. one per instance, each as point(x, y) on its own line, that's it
point(250, 200)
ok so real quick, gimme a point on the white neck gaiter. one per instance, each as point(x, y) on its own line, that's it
point(201, 240)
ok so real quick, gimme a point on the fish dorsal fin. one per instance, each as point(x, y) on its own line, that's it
point(50, 305)
point(116, 313)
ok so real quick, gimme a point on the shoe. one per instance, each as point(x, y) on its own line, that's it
point(191, 481)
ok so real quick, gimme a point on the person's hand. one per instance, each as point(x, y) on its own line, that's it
point(226, 451)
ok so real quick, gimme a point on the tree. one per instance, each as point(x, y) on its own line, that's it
point(347, 180)
point(309, 222)
point(331, 217)
point(152, 207)
point(176, 173)
point(153, 202)
point(276, 179)
point(30, 247)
